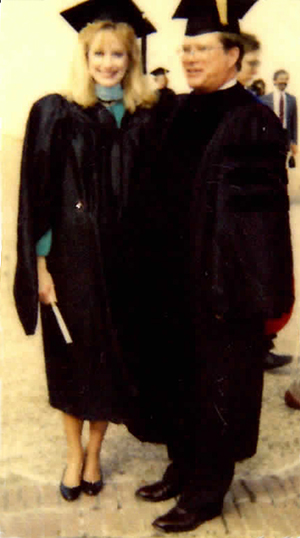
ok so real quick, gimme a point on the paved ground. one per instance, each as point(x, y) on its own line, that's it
point(264, 500)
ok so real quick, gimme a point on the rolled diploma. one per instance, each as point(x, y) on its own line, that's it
point(61, 323)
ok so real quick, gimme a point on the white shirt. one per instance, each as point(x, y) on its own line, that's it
point(228, 84)
point(276, 96)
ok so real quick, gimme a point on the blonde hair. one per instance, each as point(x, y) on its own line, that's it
point(82, 86)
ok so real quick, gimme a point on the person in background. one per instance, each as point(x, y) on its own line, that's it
point(75, 174)
point(217, 194)
point(285, 107)
point(251, 59)
point(258, 87)
point(166, 95)
point(249, 68)
point(161, 79)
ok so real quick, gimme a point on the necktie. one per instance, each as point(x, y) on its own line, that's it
point(281, 108)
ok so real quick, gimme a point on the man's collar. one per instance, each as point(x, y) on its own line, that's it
point(229, 84)
point(279, 92)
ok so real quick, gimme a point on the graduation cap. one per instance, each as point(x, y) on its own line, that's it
point(205, 16)
point(159, 71)
point(116, 11)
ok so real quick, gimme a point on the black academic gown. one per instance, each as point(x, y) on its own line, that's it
point(76, 169)
point(217, 264)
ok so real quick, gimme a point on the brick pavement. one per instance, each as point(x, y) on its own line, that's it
point(265, 507)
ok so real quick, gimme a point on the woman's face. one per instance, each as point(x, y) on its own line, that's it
point(107, 59)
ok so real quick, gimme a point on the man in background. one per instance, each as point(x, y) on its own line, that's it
point(285, 107)
point(249, 68)
point(250, 61)
point(161, 82)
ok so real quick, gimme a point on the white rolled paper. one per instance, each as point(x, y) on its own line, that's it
point(61, 323)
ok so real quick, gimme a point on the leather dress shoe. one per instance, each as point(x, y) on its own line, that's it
point(159, 491)
point(91, 488)
point(292, 395)
point(180, 519)
point(272, 360)
point(69, 494)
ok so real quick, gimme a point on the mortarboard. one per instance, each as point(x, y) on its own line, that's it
point(236, 10)
point(206, 16)
point(89, 11)
point(159, 71)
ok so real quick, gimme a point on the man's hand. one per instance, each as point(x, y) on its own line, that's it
point(47, 293)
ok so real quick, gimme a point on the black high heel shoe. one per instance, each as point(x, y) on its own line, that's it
point(69, 494)
point(91, 488)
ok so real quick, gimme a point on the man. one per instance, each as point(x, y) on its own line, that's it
point(166, 95)
point(215, 227)
point(250, 61)
point(285, 107)
point(160, 77)
point(249, 68)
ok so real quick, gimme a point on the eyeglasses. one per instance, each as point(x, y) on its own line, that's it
point(197, 50)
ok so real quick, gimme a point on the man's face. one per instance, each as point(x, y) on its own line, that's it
point(281, 82)
point(250, 65)
point(206, 64)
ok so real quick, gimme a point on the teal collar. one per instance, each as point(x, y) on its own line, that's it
point(118, 112)
point(115, 93)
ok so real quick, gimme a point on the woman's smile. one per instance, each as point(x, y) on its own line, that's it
point(107, 59)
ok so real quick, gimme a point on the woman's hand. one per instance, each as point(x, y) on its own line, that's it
point(47, 293)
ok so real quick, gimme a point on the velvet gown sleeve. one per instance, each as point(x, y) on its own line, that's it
point(40, 174)
point(252, 263)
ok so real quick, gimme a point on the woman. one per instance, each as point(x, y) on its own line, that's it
point(78, 155)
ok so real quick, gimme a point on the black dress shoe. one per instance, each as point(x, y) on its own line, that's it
point(275, 361)
point(69, 494)
point(91, 488)
point(180, 519)
point(292, 395)
point(159, 491)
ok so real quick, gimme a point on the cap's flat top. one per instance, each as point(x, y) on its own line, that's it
point(114, 10)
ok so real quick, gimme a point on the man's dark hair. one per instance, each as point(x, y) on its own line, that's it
point(230, 41)
point(280, 72)
point(250, 42)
